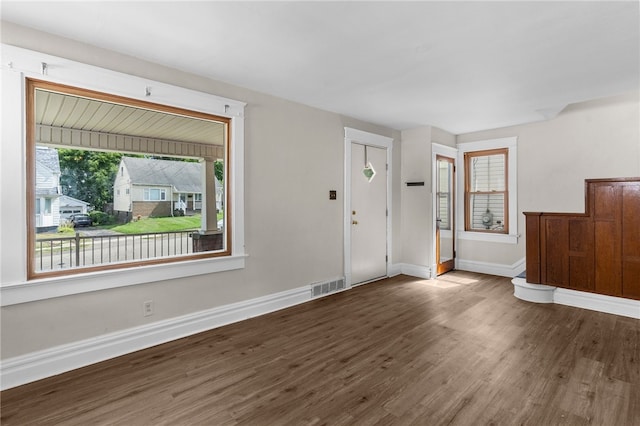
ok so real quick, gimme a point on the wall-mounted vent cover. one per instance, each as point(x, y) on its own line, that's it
point(328, 287)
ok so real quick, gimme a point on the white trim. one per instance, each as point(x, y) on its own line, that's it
point(65, 71)
point(539, 293)
point(47, 288)
point(418, 271)
point(19, 64)
point(491, 268)
point(370, 139)
point(41, 364)
point(367, 138)
point(449, 152)
point(487, 237)
point(395, 269)
point(597, 302)
point(512, 144)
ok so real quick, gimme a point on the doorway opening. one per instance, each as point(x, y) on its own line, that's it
point(444, 209)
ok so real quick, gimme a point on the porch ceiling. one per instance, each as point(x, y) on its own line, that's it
point(78, 113)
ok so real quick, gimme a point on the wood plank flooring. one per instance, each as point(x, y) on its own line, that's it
point(460, 350)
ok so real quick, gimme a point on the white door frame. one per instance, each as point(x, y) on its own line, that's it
point(449, 152)
point(370, 139)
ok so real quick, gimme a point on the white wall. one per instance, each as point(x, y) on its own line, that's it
point(416, 201)
point(594, 139)
point(294, 233)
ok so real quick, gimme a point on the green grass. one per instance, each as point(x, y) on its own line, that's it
point(159, 224)
point(142, 226)
point(66, 233)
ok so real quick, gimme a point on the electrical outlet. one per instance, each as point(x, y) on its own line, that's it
point(147, 308)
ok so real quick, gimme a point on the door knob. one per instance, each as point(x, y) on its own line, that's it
point(354, 222)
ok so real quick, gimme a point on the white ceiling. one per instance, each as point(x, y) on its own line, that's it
point(460, 66)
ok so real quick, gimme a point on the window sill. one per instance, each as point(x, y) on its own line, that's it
point(49, 288)
point(489, 237)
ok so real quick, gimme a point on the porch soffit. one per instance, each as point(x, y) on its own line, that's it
point(63, 111)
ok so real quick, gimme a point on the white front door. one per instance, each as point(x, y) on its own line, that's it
point(368, 213)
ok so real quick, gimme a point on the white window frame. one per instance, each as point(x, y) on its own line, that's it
point(511, 143)
point(19, 64)
point(147, 194)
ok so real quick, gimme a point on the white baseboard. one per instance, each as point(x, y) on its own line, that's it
point(540, 293)
point(49, 362)
point(395, 269)
point(491, 268)
point(537, 293)
point(598, 302)
point(417, 271)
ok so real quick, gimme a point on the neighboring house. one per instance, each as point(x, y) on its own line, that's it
point(47, 191)
point(70, 206)
point(149, 187)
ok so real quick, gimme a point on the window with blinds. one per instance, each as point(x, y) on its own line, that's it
point(486, 191)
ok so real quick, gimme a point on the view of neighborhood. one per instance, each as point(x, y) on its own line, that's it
point(94, 207)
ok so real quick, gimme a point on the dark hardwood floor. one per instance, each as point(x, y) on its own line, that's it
point(402, 351)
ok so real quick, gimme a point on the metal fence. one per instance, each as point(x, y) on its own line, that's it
point(80, 251)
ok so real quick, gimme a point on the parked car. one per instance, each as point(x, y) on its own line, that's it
point(80, 220)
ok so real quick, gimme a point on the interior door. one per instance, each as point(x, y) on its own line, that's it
point(368, 213)
point(445, 222)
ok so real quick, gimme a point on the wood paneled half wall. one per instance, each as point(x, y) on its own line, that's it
point(597, 251)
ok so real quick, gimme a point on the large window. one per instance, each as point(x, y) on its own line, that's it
point(486, 192)
point(97, 147)
point(21, 226)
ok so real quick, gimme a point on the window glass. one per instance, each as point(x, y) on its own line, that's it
point(444, 195)
point(486, 195)
point(155, 194)
point(487, 173)
point(96, 148)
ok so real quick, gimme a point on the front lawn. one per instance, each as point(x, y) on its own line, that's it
point(159, 224)
point(142, 226)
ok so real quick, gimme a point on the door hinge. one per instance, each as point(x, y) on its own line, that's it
point(454, 254)
point(386, 257)
point(386, 167)
point(387, 212)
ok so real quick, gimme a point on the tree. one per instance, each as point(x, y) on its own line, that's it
point(219, 170)
point(88, 175)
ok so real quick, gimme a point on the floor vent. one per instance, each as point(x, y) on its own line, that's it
point(328, 287)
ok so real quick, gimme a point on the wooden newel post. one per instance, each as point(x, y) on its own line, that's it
point(532, 225)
